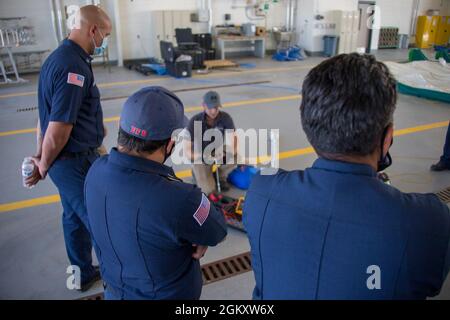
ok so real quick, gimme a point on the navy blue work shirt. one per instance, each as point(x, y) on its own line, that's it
point(67, 93)
point(321, 233)
point(144, 223)
point(222, 122)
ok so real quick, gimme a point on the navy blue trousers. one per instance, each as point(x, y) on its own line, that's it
point(446, 156)
point(69, 175)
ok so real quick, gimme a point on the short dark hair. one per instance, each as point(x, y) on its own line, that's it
point(132, 143)
point(348, 102)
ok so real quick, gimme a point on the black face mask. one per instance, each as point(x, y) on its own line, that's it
point(385, 161)
point(168, 154)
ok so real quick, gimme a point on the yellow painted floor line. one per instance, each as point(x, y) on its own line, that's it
point(425, 127)
point(13, 206)
point(29, 203)
point(187, 110)
point(153, 80)
point(20, 94)
point(14, 132)
point(124, 83)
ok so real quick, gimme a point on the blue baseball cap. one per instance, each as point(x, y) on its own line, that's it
point(212, 100)
point(153, 113)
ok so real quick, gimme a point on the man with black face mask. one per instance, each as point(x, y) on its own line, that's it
point(335, 231)
point(149, 228)
point(71, 130)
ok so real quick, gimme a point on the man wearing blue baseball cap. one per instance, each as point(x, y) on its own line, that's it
point(149, 228)
point(213, 122)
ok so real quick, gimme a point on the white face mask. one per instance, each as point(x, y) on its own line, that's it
point(103, 46)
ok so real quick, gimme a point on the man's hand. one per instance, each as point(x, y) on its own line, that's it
point(40, 167)
point(199, 251)
point(35, 177)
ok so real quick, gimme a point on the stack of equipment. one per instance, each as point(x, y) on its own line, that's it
point(171, 57)
point(205, 42)
point(187, 46)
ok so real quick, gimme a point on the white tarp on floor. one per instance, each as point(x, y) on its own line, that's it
point(426, 75)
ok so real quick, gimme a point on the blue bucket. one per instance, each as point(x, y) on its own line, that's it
point(242, 176)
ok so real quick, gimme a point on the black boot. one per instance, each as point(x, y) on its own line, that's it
point(440, 166)
point(87, 285)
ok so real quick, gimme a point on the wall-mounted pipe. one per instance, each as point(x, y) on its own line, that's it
point(118, 32)
point(291, 15)
point(288, 15)
point(294, 15)
point(415, 13)
point(59, 20)
point(210, 22)
point(54, 21)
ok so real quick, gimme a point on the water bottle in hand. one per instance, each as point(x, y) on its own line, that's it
point(27, 170)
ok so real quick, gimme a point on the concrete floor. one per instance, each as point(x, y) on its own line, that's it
point(32, 255)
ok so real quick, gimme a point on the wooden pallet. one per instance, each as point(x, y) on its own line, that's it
point(217, 64)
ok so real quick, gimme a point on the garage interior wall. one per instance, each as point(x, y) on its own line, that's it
point(396, 13)
point(38, 13)
point(135, 21)
point(311, 31)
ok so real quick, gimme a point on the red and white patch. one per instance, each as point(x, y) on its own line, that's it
point(75, 79)
point(202, 212)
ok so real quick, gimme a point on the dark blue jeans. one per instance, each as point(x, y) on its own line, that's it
point(68, 175)
point(446, 156)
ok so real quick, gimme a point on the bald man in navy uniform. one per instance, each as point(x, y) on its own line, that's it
point(71, 130)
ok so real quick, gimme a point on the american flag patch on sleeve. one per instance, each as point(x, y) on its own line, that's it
point(76, 79)
point(202, 212)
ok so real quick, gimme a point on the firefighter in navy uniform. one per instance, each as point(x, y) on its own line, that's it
point(149, 228)
point(71, 130)
point(335, 230)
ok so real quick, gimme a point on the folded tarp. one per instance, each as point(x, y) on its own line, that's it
point(425, 79)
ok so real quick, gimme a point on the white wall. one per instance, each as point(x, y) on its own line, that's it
point(38, 14)
point(305, 24)
point(393, 13)
point(398, 13)
point(442, 5)
point(309, 33)
point(136, 20)
point(277, 16)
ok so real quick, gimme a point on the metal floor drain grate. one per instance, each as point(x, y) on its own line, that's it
point(213, 272)
point(27, 109)
point(444, 195)
point(226, 268)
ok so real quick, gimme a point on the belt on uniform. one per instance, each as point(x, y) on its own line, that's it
point(73, 155)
